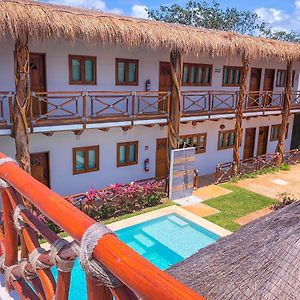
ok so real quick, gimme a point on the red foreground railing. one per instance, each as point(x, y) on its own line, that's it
point(29, 272)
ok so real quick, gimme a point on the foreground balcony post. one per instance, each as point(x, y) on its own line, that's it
point(285, 112)
point(240, 104)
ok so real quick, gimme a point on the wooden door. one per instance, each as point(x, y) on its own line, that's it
point(249, 143)
point(161, 158)
point(38, 81)
point(295, 144)
point(164, 81)
point(39, 163)
point(269, 85)
point(262, 140)
point(254, 87)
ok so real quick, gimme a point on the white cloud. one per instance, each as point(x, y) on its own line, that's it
point(271, 15)
point(139, 11)
point(281, 20)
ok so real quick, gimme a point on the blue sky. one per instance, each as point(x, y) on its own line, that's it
point(280, 14)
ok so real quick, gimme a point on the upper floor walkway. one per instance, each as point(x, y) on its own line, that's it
point(58, 111)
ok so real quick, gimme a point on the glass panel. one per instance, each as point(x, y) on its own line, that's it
point(207, 75)
point(121, 72)
point(185, 74)
point(225, 77)
point(132, 148)
point(227, 139)
point(221, 140)
point(181, 142)
point(92, 164)
point(195, 142)
point(200, 75)
point(238, 76)
point(231, 76)
point(79, 161)
point(193, 75)
point(132, 72)
point(89, 70)
point(122, 154)
point(188, 142)
point(232, 135)
point(202, 142)
point(76, 75)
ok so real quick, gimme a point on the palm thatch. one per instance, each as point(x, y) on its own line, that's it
point(259, 261)
point(40, 21)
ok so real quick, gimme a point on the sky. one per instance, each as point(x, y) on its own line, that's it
point(280, 14)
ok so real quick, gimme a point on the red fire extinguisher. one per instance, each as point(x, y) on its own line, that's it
point(148, 85)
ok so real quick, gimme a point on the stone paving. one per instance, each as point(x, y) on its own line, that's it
point(273, 184)
point(253, 216)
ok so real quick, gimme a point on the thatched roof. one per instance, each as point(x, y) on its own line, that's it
point(39, 21)
point(259, 261)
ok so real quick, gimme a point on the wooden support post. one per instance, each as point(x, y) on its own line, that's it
point(285, 113)
point(96, 291)
point(175, 100)
point(240, 105)
point(21, 103)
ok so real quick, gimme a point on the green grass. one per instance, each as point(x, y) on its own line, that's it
point(236, 204)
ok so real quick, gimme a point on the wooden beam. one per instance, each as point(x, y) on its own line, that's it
point(104, 129)
point(78, 132)
point(285, 112)
point(240, 105)
point(50, 133)
point(176, 63)
point(126, 128)
point(21, 103)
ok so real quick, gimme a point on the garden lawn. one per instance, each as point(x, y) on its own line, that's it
point(234, 205)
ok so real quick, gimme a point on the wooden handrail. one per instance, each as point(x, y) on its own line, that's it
point(133, 270)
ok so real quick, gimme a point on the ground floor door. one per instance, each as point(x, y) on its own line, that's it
point(296, 133)
point(161, 158)
point(38, 82)
point(40, 167)
point(262, 143)
point(249, 143)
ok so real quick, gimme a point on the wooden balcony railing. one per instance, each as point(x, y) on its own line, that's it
point(111, 267)
point(82, 108)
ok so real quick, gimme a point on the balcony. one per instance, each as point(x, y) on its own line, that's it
point(57, 111)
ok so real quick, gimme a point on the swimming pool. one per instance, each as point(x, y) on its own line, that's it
point(164, 241)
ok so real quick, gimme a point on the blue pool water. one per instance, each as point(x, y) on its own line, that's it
point(163, 241)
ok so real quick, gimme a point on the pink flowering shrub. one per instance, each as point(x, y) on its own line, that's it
point(119, 199)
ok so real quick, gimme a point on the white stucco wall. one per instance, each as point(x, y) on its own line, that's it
point(60, 147)
point(60, 144)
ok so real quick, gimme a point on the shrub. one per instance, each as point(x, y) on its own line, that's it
point(284, 199)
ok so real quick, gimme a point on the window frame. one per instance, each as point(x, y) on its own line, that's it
point(198, 135)
point(126, 61)
point(234, 78)
point(86, 150)
point(285, 72)
point(127, 146)
point(190, 65)
point(82, 59)
point(226, 132)
point(274, 139)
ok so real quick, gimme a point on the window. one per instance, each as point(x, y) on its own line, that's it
point(127, 71)
point(226, 139)
point(231, 76)
point(195, 140)
point(85, 159)
point(82, 69)
point(197, 74)
point(282, 76)
point(127, 154)
point(275, 129)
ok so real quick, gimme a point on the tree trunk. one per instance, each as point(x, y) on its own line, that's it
point(286, 108)
point(21, 103)
point(240, 105)
point(175, 103)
